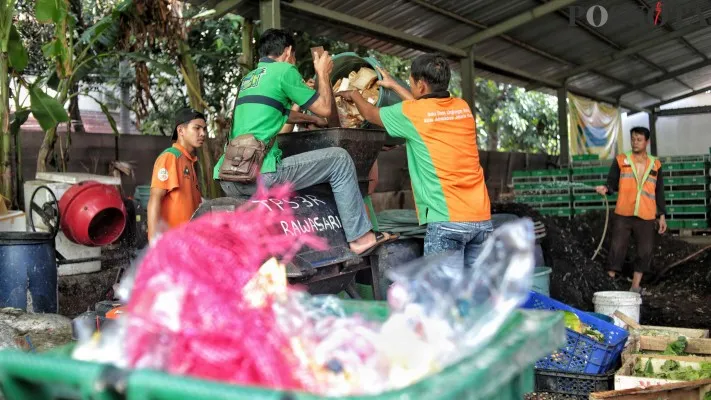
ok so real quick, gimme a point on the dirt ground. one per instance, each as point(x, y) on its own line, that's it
point(79, 293)
point(682, 297)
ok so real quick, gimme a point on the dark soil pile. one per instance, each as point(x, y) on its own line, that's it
point(682, 297)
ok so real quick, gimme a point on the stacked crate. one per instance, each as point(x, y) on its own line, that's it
point(546, 190)
point(686, 186)
point(587, 172)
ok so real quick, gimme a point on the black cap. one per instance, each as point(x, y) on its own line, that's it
point(185, 115)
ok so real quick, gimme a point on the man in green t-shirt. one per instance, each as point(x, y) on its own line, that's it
point(264, 106)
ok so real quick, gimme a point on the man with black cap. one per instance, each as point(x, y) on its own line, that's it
point(175, 192)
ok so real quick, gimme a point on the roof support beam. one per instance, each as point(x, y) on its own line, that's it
point(677, 98)
point(224, 7)
point(270, 14)
point(663, 77)
point(360, 24)
point(514, 22)
point(643, 44)
point(672, 112)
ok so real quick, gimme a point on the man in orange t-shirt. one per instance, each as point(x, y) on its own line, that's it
point(175, 192)
point(448, 182)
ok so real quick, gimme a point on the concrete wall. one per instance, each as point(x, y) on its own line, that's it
point(394, 190)
point(92, 153)
point(676, 136)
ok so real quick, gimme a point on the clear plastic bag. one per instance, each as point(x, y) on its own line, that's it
point(469, 305)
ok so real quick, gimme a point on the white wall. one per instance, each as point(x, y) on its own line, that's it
point(680, 135)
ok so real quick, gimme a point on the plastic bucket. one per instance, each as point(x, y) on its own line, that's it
point(542, 280)
point(626, 302)
point(28, 272)
point(142, 194)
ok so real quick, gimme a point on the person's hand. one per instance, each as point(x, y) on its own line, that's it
point(320, 122)
point(311, 83)
point(387, 82)
point(346, 94)
point(602, 189)
point(662, 224)
point(323, 64)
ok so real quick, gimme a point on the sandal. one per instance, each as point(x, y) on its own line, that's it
point(380, 238)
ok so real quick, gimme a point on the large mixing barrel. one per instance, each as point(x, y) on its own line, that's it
point(345, 63)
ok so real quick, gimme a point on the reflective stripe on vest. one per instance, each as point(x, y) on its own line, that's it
point(640, 188)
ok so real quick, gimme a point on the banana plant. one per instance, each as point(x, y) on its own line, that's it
point(72, 61)
point(13, 57)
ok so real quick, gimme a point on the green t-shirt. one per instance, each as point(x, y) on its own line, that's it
point(266, 94)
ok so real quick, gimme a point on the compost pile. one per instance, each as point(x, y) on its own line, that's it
point(681, 297)
point(364, 81)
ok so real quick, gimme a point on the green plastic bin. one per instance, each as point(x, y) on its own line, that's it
point(503, 370)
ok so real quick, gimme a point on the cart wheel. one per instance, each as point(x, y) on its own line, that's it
point(47, 212)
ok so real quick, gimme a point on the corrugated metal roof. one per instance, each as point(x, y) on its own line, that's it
point(551, 44)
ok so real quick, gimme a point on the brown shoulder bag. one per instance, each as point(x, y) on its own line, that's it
point(243, 159)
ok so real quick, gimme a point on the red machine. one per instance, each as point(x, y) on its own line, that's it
point(93, 214)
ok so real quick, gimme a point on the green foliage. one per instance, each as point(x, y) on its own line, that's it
point(16, 51)
point(516, 120)
point(48, 111)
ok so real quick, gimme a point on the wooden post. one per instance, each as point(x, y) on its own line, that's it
point(563, 126)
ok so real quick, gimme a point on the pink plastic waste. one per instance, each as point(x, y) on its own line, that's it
point(186, 313)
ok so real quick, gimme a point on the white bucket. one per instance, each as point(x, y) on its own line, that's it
point(626, 302)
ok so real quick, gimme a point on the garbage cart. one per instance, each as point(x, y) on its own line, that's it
point(502, 370)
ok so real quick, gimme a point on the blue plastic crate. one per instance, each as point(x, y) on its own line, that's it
point(581, 353)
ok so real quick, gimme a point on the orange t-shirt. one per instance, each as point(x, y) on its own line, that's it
point(174, 171)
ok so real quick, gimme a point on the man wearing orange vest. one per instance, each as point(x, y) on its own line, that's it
point(442, 156)
point(637, 177)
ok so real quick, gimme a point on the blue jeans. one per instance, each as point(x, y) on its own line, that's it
point(332, 165)
point(465, 237)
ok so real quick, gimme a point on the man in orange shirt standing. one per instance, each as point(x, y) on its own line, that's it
point(442, 156)
point(175, 191)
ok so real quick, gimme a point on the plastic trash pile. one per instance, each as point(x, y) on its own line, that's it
point(363, 81)
point(223, 310)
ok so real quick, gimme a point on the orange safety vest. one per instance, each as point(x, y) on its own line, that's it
point(637, 195)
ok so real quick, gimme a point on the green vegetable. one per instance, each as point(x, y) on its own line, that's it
point(572, 321)
point(677, 347)
point(672, 370)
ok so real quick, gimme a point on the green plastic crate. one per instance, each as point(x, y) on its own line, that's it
point(582, 171)
point(686, 209)
point(684, 166)
point(520, 173)
point(549, 172)
point(507, 374)
point(696, 224)
point(589, 157)
point(686, 195)
point(556, 212)
point(675, 224)
point(600, 170)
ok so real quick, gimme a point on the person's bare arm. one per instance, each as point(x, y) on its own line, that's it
point(370, 112)
point(389, 83)
point(323, 66)
point(296, 117)
point(154, 208)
